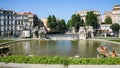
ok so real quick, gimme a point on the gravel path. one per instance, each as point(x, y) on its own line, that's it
point(22, 65)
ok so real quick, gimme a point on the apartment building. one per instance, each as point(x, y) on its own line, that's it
point(84, 13)
point(14, 23)
point(44, 20)
point(114, 14)
point(7, 23)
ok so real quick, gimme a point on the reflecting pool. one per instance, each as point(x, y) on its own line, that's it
point(83, 48)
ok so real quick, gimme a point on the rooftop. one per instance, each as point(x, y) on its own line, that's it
point(117, 6)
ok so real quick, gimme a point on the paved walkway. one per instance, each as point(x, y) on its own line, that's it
point(16, 65)
point(22, 65)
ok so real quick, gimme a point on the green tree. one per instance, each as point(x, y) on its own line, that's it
point(108, 20)
point(115, 27)
point(62, 24)
point(76, 21)
point(52, 23)
point(92, 20)
point(82, 23)
point(69, 24)
point(49, 20)
point(53, 18)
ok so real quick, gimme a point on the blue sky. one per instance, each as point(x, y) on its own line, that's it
point(62, 9)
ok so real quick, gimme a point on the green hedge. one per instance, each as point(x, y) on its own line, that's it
point(58, 60)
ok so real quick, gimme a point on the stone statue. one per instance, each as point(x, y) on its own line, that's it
point(34, 31)
point(86, 32)
point(82, 33)
point(89, 31)
point(42, 32)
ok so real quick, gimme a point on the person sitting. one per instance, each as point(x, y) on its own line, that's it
point(103, 50)
point(113, 54)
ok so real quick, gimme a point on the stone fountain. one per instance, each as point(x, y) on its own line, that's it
point(86, 32)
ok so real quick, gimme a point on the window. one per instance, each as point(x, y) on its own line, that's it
point(19, 22)
point(2, 17)
point(8, 17)
point(6, 27)
point(22, 22)
point(2, 23)
point(9, 27)
point(8, 22)
point(2, 28)
point(13, 22)
point(13, 27)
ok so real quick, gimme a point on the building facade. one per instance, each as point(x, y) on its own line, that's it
point(114, 14)
point(7, 23)
point(44, 20)
point(84, 13)
point(14, 23)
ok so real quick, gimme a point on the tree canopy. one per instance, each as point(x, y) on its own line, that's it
point(108, 20)
point(92, 20)
point(55, 24)
point(51, 22)
point(115, 27)
point(75, 21)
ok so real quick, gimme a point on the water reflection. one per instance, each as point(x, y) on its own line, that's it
point(83, 48)
point(4, 50)
point(26, 47)
point(111, 46)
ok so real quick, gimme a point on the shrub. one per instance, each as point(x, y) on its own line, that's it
point(58, 60)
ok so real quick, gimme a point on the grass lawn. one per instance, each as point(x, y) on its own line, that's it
point(115, 40)
point(2, 41)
